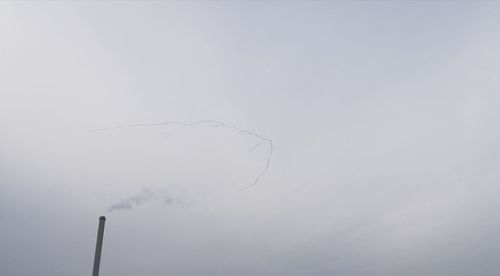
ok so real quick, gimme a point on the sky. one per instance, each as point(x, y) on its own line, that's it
point(250, 138)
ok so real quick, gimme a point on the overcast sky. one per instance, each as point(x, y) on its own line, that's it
point(266, 138)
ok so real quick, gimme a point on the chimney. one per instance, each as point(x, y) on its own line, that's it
point(98, 246)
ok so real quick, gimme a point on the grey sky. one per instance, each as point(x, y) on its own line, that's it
point(383, 115)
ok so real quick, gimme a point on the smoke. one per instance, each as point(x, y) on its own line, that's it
point(142, 197)
point(147, 194)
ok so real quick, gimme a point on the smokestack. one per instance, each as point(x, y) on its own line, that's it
point(98, 246)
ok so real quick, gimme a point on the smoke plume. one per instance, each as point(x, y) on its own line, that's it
point(140, 198)
point(147, 194)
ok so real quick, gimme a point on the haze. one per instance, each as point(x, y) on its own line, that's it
point(384, 120)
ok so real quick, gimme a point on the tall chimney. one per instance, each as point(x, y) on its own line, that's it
point(98, 246)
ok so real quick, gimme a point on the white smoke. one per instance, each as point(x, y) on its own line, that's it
point(147, 194)
point(142, 197)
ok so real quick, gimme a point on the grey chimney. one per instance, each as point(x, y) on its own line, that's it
point(98, 246)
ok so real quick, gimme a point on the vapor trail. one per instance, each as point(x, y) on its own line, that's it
point(211, 123)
